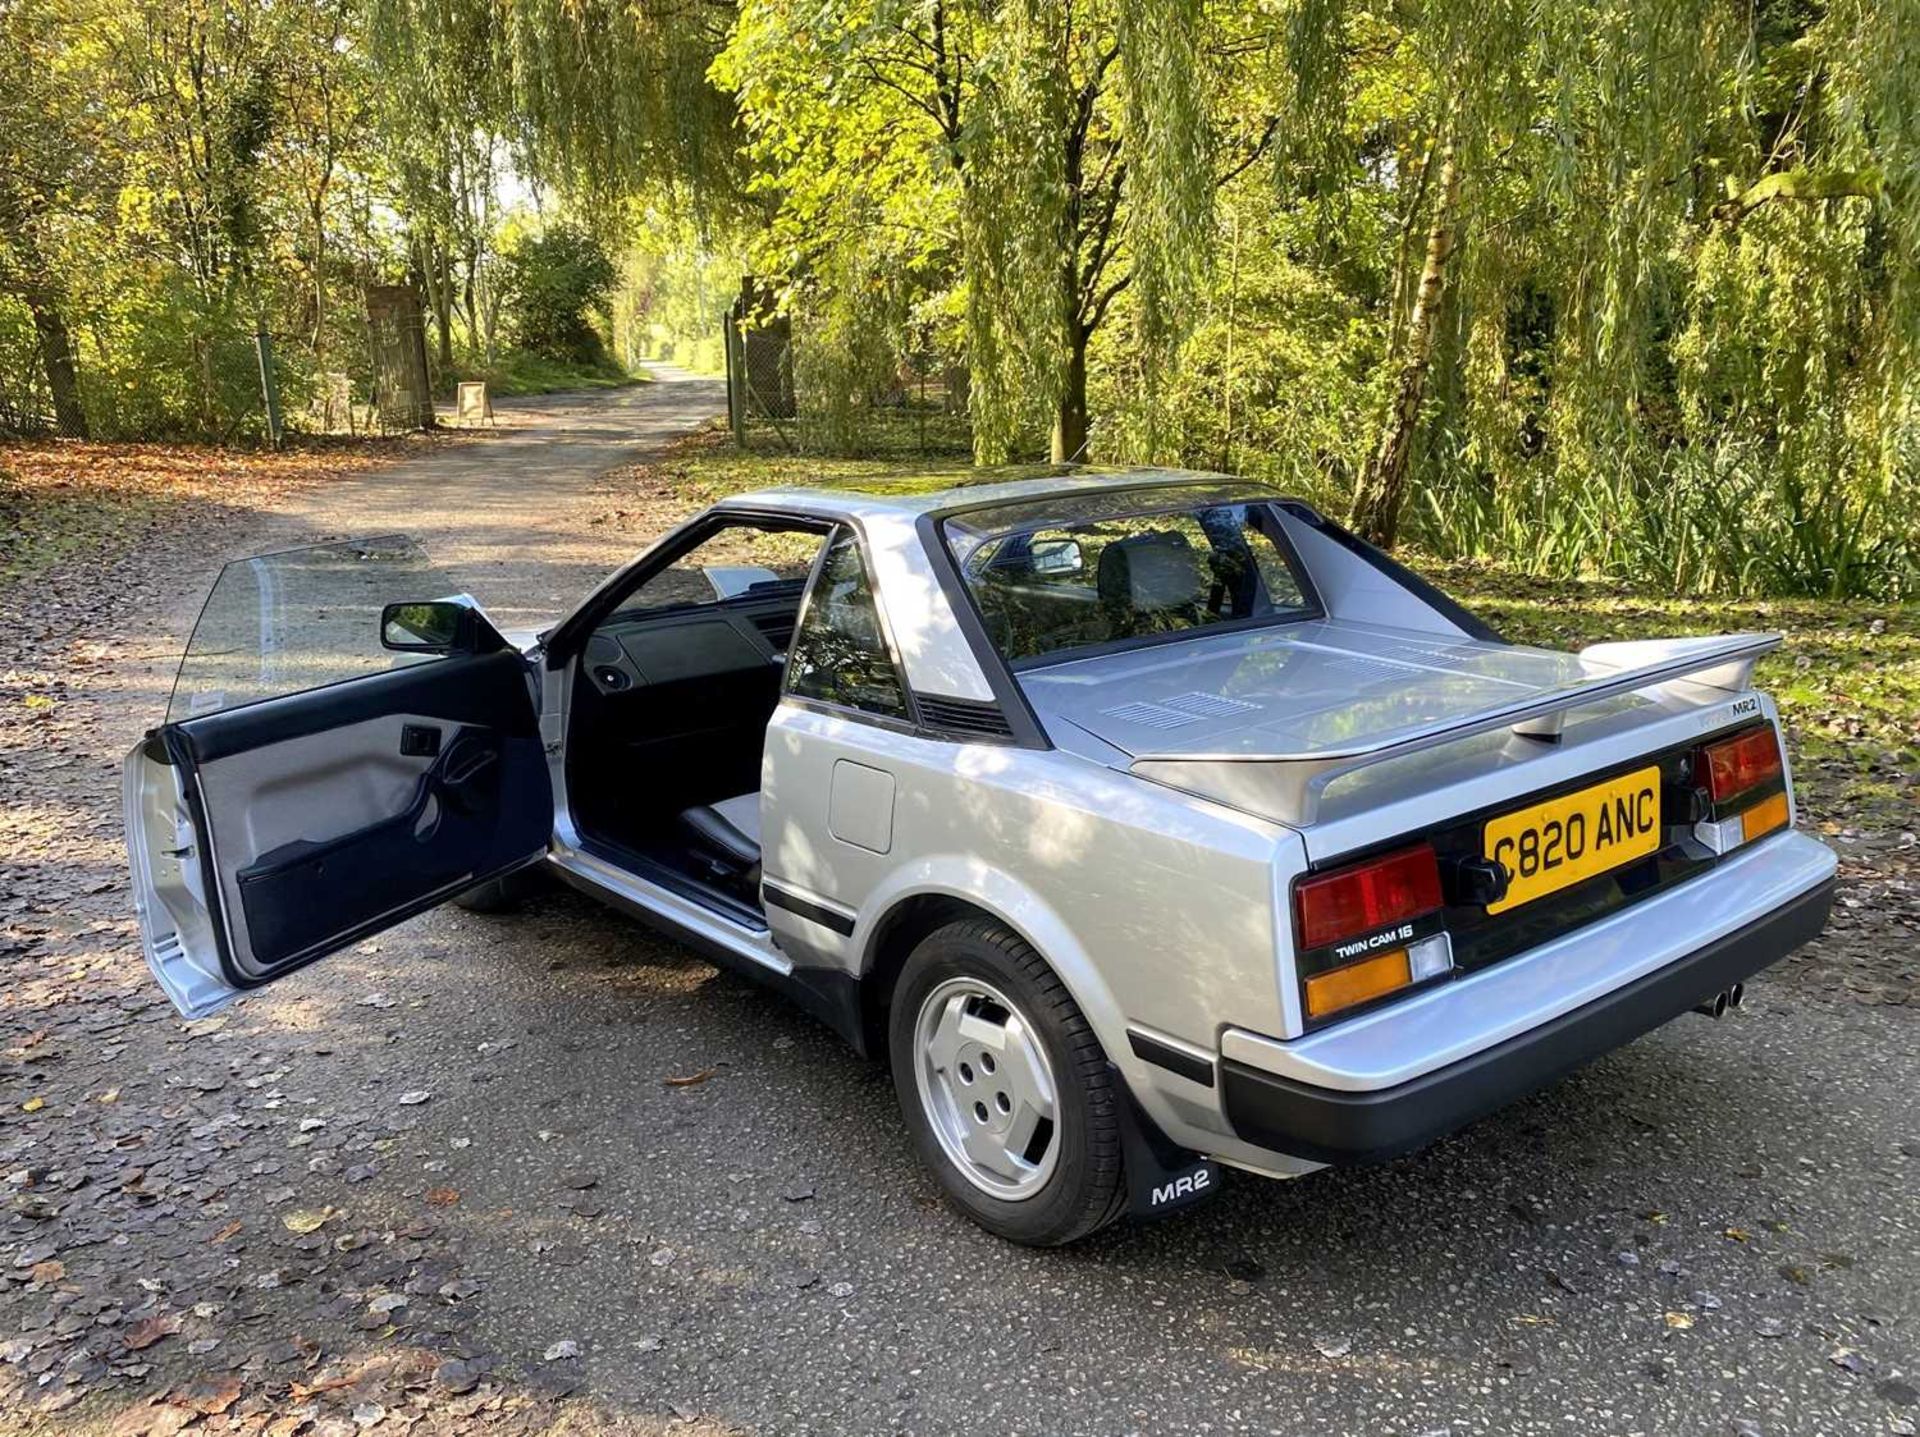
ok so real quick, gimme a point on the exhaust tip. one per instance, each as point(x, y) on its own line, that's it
point(1714, 1007)
point(1736, 995)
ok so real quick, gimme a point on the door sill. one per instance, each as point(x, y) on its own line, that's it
point(628, 882)
point(660, 875)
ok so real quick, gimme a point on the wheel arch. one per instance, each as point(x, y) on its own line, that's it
point(917, 904)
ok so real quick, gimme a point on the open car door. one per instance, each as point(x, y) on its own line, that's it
point(332, 763)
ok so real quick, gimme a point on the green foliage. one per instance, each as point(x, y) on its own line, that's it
point(1676, 335)
point(556, 280)
point(1677, 331)
point(1000, 173)
point(677, 280)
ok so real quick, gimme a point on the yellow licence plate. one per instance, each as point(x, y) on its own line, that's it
point(1555, 844)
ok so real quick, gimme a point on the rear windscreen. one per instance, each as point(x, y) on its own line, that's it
point(1105, 569)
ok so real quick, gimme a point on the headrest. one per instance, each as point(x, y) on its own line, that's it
point(1150, 573)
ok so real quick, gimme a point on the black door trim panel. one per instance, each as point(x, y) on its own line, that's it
point(484, 808)
point(453, 689)
point(1331, 1125)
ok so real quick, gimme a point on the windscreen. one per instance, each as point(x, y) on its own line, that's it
point(1087, 571)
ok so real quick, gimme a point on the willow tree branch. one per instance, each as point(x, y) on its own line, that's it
point(1802, 185)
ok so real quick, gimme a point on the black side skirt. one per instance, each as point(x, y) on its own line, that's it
point(1329, 1125)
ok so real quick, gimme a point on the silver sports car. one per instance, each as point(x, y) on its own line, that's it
point(1142, 821)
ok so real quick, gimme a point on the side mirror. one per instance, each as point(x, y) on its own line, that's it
point(437, 626)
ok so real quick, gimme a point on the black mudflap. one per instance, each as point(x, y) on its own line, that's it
point(1162, 1177)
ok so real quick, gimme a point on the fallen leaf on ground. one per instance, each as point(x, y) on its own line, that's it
point(692, 1079)
point(305, 1220)
point(456, 1376)
point(210, 1396)
point(161, 1421)
point(443, 1197)
point(1847, 1360)
point(228, 1231)
point(561, 1351)
point(149, 1330)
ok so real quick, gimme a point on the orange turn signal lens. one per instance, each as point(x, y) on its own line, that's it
point(1357, 982)
point(1765, 816)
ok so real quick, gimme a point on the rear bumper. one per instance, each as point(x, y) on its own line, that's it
point(1345, 1126)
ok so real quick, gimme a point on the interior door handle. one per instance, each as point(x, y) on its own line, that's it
point(419, 740)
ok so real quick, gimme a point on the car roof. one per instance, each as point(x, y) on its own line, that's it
point(908, 496)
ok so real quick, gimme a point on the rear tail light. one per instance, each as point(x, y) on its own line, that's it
point(1357, 983)
point(1734, 766)
point(1732, 772)
point(1379, 975)
point(1358, 899)
point(1353, 917)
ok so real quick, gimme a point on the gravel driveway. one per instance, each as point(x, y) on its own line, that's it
point(547, 1172)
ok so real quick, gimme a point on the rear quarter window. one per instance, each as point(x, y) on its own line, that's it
point(840, 654)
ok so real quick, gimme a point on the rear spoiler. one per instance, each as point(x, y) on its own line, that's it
point(1289, 786)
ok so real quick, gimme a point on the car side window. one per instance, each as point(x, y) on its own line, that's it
point(746, 559)
point(839, 654)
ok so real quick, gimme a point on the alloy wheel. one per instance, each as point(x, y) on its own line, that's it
point(987, 1088)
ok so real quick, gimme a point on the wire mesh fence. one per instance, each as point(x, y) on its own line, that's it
point(776, 401)
point(213, 379)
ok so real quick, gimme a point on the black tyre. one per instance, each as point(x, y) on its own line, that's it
point(1005, 1088)
point(503, 894)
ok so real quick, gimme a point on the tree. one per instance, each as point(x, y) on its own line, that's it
point(601, 97)
point(56, 178)
point(1041, 158)
point(1580, 150)
point(1377, 500)
point(555, 279)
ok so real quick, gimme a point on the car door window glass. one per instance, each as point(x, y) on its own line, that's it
point(744, 560)
point(840, 654)
point(282, 623)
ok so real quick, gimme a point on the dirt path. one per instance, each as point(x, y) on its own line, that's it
point(510, 512)
point(441, 1182)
